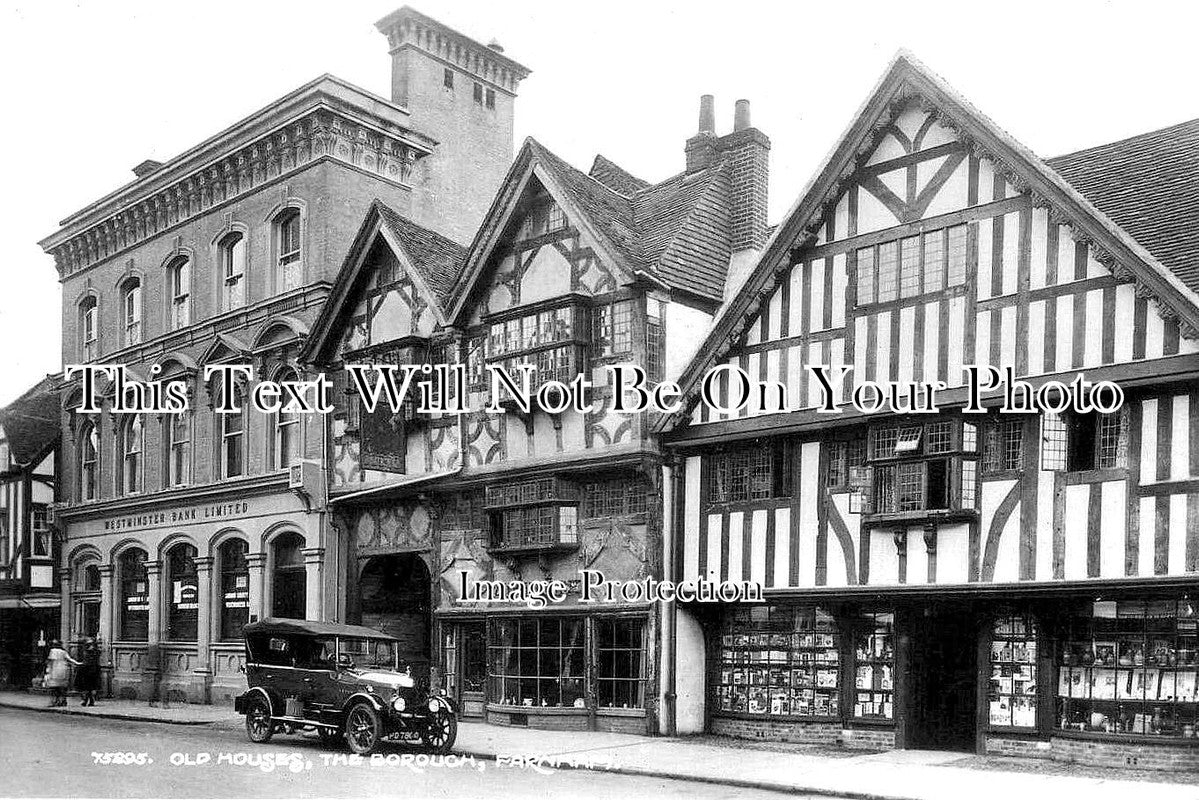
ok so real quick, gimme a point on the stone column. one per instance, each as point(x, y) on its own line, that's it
point(202, 675)
point(65, 608)
point(314, 559)
point(256, 563)
point(107, 612)
point(152, 666)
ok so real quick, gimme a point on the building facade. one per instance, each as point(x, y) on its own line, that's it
point(992, 582)
point(29, 548)
point(198, 522)
point(569, 273)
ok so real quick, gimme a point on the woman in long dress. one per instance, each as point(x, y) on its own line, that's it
point(58, 672)
point(87, 677)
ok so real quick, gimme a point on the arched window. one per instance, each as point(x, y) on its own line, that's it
point(89, 461)
point(179, 283)
point(177, 448)
point(235, 588)
point(288, 577)
point(131, 441)
point(89, 329)
point(290, 272)
point(135, 596)
point(233, 436)
point(91, 578)
point(286, 427)
point(183, 593)
point(233, 270)
point(131, 312)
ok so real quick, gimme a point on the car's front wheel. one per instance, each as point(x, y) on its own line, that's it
point(259, 726)
point(364, 729)
point(440, 731)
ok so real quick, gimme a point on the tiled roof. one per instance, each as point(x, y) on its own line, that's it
point(611, 175)
point(1149, 186)
point(676, 230)
point(440, 260)
point(31, 421)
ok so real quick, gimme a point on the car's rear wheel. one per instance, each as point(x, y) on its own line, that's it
point(364, 729)
point(259, 726)
point(440, 731)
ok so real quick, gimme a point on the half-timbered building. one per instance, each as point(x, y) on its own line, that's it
point(1020, 583)
point(30, 589)
point(569, 273)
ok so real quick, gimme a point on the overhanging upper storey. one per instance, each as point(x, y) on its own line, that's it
point(326, 118)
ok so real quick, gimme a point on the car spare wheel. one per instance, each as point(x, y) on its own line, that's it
point(364, 728)
point(440, 731)
point(259, 726)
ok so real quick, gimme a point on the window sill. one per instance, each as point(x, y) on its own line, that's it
point(554, 711)
point(533, 548)
point(603, 711)
point(908, 517)
point(1130, 738)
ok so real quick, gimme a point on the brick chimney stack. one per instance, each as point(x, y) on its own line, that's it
point(747, 152)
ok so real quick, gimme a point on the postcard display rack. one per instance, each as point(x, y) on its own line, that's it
point(874, 658)
point(1131, 667)
point(1013, 690)
point(779, 661)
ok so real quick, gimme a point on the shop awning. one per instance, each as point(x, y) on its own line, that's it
point(392, 488)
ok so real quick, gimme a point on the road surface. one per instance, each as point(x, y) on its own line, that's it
point(51, 755)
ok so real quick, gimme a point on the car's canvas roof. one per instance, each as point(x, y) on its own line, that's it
point(314, 628)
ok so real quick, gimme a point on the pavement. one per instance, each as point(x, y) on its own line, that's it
point(890, 775)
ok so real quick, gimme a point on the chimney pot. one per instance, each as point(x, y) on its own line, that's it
point(707, 114)
point(741, 116)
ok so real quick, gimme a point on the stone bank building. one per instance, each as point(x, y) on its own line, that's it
point(181, 528)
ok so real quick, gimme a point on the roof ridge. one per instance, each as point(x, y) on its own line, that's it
point(1125, 140)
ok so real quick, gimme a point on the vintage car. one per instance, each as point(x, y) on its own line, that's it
point(343, 681)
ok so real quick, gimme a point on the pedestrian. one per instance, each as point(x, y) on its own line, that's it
point(58, 672)
point(87, 678)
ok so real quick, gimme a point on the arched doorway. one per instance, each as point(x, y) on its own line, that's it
point(396, 598)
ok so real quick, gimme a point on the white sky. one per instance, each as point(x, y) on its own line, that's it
point(94, 88)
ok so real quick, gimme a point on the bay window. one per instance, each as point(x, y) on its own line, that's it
point(532, 515)
point(550, 340)
point(916, 468)
point(612, 329)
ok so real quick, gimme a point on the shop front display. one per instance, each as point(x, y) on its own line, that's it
point(1012, 695)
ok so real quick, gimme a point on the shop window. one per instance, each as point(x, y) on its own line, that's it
point(290, 266)
point(89, 461)
point(779, 661)
point(177, 448)
point(620, 674)
point(285, 446)
point(874, 667)
point(612, 329)
point(131, 312)
point(179, 282)
point(537, 662)
point(757, 471)
point(288, 577)
point(183, 594)
point(614, 497)
point(914, 468)
point(1003, 446)
point(135, 595)
point(89, 329)
point(232, 252)
point(235, 588)
point(912, 267)
point(130, 446)
point(1130, 667)
point(1012, 695)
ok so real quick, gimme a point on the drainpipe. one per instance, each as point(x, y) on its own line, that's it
point(669, 610)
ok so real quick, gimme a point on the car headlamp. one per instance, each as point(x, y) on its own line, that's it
point(434, 705)
point(399, 703)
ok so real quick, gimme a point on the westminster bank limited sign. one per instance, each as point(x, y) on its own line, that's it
point(178, 516)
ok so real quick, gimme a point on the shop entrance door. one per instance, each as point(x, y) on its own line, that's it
point(942, 700)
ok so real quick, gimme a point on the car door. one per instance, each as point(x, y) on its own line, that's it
point(316, 672)
point(276, 670)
